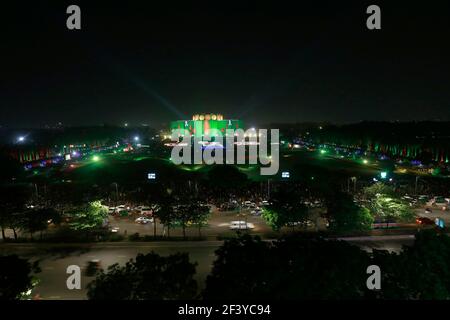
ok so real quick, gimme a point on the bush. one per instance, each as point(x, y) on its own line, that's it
point(134, 237)
point(114, 237)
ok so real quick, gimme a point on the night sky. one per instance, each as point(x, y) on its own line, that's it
point(142, 62)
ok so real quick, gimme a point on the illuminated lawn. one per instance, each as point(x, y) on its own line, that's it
point(128, 168)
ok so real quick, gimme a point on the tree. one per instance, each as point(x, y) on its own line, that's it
point(164, 209)
point(378, 188)
point(12, 202)
point(286, 208)
point(316, 268)
point(392, 277)
point(294, 267)
point(200, 214)
point(10, 168)
point(424, 268)
point(418, 272)
point(243, 269)
point(148, 277)
point(194, 213)
point(16, 277)
point(88, 217)
point(167, 215)
point(389, 208)
point(223, 179)
point(385, 203)
point(37, 220)
point(301, 266)
point(345, 215)
point(183, 214)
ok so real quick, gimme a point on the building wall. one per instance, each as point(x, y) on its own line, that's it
point(200, 127)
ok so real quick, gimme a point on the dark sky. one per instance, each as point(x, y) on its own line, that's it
point(150, 62)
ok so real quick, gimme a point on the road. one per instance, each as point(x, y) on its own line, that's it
point(54, 259)
point(435, 213)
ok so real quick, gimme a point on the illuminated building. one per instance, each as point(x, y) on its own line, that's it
point(201, 124)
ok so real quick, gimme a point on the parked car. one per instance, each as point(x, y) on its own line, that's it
point(143, 220)
point(256, 212)
point(438, 202)
point(241, 225)
point(146, 211)
point(307, 223)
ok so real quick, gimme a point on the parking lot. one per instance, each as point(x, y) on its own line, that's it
point(219, 224)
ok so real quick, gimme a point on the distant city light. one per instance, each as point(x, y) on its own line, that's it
point(285, 174)
point(322, 151)
point(96, 158)
point(136, 138)
point(365, 161)
point(21, 139)
point(151, 176)
point(383, 175)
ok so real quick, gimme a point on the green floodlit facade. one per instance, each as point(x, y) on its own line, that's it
point(201, 124)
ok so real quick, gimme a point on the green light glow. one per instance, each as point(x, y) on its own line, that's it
point(96, 158)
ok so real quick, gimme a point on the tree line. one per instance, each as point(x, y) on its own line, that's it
point(293, 267)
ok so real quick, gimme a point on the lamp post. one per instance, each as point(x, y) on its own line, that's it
point(117, 192)
point(415, 187)
point(354, 183)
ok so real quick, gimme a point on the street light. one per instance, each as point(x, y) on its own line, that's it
point(136, 138)
point(21, 139)
point(415, 187)
point(353, 179)
point(96, 158)
point(117, 192)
